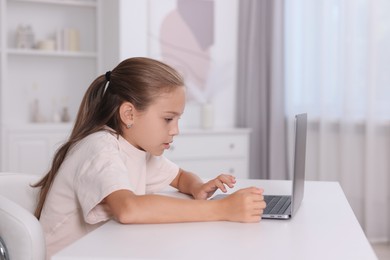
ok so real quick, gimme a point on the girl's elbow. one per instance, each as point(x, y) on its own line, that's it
point(123, 206)
point(127, 215)
point(123, 219)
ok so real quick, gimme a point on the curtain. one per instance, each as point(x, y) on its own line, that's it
point(337, 56)
point(260, 88)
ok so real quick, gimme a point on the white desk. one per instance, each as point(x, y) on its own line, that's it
point(324, 228)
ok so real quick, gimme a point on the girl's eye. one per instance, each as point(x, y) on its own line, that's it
point(168, 119)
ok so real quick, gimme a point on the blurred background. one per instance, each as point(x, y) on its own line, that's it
point(248, 64)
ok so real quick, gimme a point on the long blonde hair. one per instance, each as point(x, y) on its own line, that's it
point(135, 80)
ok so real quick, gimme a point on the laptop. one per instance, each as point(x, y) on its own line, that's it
point(286, 206)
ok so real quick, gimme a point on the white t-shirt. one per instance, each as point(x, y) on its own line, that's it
point(95, 167)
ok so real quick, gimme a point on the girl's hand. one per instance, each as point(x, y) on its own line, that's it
point(206, 190)
point(245, 205)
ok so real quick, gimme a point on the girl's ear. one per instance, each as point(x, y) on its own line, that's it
point(126, 111)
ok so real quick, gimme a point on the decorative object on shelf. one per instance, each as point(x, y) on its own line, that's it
point(56, 117)
point(207, 116)
point(47, 45)
point(36, 115)
point(24, 37)
point(65, 117)
point(68, 39)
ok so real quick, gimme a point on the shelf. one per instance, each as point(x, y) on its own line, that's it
point(57, 75)
point(32, 52)
point(39, 127)
point(79, 3)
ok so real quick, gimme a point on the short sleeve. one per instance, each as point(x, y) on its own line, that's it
point(98, 178)
point(160, 173)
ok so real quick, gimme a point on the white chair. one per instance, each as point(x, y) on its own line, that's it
point(20, 231)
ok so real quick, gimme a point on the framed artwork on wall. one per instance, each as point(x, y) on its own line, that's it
point(198, 38)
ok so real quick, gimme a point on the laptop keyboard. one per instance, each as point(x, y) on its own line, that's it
point(277, 204)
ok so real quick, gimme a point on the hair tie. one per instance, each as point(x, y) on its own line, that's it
point(108, 75)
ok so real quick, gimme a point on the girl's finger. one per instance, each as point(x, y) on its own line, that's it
point(227, 179)
point(219, 184)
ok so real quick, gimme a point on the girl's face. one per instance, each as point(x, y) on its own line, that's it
point(153, 130)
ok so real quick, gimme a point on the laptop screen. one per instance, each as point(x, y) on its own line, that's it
point(299, 161)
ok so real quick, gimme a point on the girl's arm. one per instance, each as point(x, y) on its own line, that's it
point(245, 205)
point(189, 183)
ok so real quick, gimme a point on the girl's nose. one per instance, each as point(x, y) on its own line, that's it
point(174, 130)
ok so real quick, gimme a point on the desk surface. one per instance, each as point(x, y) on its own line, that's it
point(324, 227)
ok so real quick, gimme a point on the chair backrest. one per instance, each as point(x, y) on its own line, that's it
point(20, 231)
point(16, 187)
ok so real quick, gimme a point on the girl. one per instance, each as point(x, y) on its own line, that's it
point(112, 164)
